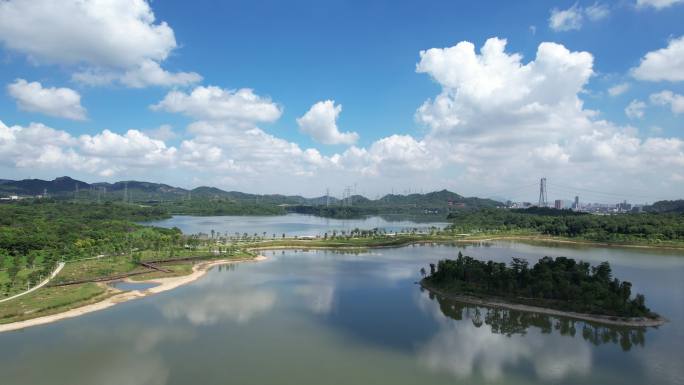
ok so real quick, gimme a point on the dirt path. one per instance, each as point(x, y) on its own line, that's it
point(59, 268)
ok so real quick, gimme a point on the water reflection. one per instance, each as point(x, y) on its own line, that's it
point(480, 341)
point(318, 297)
point(293, 224)
point(238, 306)
point(510, 322)
point(121, 354)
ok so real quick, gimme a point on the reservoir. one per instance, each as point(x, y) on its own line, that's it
point(330, 317)
point(291, 224)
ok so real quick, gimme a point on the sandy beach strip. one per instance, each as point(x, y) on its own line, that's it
point(163, 284)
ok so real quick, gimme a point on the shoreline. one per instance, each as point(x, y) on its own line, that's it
point(601, 319)
point(299, 243)
point(120, 296)
point(117, 296)
point(549, 239)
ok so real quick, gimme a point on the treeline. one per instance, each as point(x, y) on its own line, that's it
point(560, 283)
point(209, 207)
point(649, 227)
point(338, 212)
point(35, 235)
point(511, 322)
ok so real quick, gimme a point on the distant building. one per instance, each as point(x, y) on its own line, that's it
point(624, 206)
point(558, 204)
point(575, 204)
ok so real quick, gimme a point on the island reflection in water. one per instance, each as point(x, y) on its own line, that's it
point(512, 322)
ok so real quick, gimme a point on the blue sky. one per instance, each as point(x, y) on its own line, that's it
point(363, 56)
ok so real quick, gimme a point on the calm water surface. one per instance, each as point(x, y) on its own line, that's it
point(321, 317)
point(290, 225)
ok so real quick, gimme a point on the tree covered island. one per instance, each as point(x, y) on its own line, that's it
point(553, 283)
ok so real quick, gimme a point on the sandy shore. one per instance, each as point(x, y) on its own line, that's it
point(606, 320)
point(164, 284)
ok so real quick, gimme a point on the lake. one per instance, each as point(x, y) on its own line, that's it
point(291, 224)
point(325, 317)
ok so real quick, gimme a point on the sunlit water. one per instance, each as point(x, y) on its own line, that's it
point(290, 225)
point(321, 317)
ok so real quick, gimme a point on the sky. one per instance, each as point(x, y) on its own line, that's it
point(482, 98)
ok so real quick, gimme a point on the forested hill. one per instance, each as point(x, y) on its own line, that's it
point(676, 206)
point(206, 200)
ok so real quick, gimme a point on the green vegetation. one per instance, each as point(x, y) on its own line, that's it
point(104, 241)
point(35, 235)
point(560, 283)
point(676, 206)
point(213, 201)
point(644, 228)
point(219, 206)
point(50, 300)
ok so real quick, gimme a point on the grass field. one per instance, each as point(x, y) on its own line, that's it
point(50, 300)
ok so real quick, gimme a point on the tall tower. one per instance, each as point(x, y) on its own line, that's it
point(543, 202)
point(125, 197)
point(327, 197)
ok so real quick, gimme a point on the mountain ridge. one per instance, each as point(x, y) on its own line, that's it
point(66, 186)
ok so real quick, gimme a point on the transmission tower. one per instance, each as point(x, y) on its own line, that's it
point(543, 201)
point(327, 197)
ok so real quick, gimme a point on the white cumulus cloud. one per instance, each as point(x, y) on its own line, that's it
point(664, 98)
point(573, 17)
point(214, 103)
point(665, 64)
point(320, 122)
point(658, 4)
point(149, 72)
point(597, 11)
point(618, 89)
point(498, 121)
point(566, 19)
point(106, 39)
point(59, 102)
point(635, 109)
point(37, 146)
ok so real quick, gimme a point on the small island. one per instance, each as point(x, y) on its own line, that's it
point(557, 286)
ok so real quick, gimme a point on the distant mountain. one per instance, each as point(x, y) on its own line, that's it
point(139, 191)
point(59, 185)
point(676, 206)
point(436, 200)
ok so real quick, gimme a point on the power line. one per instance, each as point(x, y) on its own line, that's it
point(612, 194)
point(510, 189)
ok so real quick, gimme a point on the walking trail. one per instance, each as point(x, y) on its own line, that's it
point(45, 282)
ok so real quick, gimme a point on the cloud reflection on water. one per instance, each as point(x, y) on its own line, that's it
point(468, 346)
point(239, 306)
